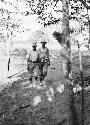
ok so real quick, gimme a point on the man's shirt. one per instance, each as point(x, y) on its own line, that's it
point(33, 56)
point(44, 54)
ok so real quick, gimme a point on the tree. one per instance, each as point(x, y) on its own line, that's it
point(64, 40)
point(7, 26)
point(86, 4)
point(40, 8)
point(89, 28)
point(66, 52)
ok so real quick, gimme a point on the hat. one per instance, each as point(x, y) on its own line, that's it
point(43, 42)
point(34, 44)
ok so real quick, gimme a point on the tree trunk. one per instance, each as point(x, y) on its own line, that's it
point(89, 32)
point(71, 116)
point(82, 81)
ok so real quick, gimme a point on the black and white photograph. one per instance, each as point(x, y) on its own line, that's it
point(44, 62)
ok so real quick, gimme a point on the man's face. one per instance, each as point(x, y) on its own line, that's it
point(34, 47)
point(43, 45)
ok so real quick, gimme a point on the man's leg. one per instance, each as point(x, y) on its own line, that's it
point(31, 67)
point(44, 73)
point(45, 70)
point(36, 71)
point(30, 77)
point(41, 72)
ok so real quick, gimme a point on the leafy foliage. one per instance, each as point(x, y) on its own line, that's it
point(48, 12)
point(58, 36)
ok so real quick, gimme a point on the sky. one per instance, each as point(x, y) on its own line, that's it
point(28, 23)
point(31, 25)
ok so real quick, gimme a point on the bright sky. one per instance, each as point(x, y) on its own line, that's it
point(27, 23)
point(30, 24)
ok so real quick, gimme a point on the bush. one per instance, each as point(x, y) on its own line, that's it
point(23, 52)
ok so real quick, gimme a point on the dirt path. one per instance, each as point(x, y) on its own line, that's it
point(21, 104)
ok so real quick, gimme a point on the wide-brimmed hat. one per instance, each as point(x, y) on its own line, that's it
point(43, 42)
point(34, 44)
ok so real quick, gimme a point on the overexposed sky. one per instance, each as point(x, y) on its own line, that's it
point(31, 25)
point(24, 35)
point(28, 25)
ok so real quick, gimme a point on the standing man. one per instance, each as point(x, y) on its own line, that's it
point(32, 60)
point(44, 59)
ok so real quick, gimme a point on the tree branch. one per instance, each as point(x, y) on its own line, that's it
point(85, 4)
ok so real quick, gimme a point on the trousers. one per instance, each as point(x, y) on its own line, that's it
point(32, 69)
point(44, 70)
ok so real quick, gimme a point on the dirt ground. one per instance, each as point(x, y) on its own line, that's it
point(21, 104)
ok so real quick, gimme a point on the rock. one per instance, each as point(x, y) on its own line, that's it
point(77, 88)
point(60, 88)
point(36, 100)
point(50, 93)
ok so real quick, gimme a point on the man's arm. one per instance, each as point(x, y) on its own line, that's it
point(28, 57)
point(48, 57)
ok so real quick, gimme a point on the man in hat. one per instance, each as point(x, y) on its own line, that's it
point(32, 59)
point(45, 60)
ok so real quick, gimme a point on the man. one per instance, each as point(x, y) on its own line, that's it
point(45, 60)
point(32, 59)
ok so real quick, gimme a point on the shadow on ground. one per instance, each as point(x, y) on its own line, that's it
point(17, 104)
